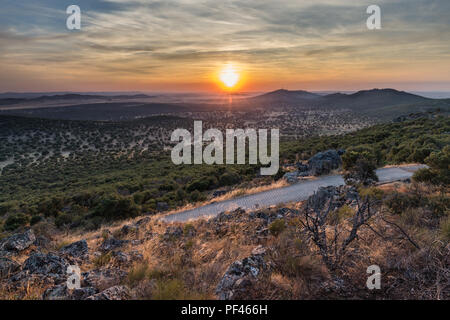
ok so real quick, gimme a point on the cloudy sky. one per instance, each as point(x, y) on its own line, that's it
point(181, 45)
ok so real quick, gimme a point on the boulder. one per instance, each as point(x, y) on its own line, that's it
point(112, 244)
point(8, 267)
point(173, 233)
point(19, 241)
point(323, 162)
point(113, 293)
point(45, 264)
point(77, 249)
point(241, 275)
point(102, 278)
point(291, 177)
point(61, 292)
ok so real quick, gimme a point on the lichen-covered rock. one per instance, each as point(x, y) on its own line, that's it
point(241, 275)
point(323, 162)
point(45, 264)
point(113, 293)
point(77, 249)
point(173, 233)
point(19, 241)
point(102, 278)
point(8, 267)
point(61, 292)
point(112, 244)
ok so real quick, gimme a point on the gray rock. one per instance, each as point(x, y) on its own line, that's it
point(61, 292)
point(241, 275)
point(77, 249)
point(102, 278)
point(113, 293)
point(112, 244)
point(323, 162)
point(143, 221)
point(291, 177)
point(173, 233)
point(45, 264)
point(19, 242)
point(8, 267)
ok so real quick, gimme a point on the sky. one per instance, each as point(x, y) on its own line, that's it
point(182, 45)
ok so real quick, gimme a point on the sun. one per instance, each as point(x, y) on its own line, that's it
point(229, 76)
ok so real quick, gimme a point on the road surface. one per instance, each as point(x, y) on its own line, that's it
point(296, 192)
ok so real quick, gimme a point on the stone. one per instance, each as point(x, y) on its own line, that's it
point(61, 292)
point(112, 244)
point(113, 293)
point(19, 241)
point(77, 249)
point(173, 233)
point(291, 177)
point(102, 278)
point(45, 264)
point(8, 267)
point(323, 162)
point(241, 275)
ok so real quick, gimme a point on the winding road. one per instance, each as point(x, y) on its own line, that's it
point(296, 192)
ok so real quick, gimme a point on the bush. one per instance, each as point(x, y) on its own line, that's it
point(277, 227)
point(228, 179)
point(445, 228)
point(137, 273)
point(117, 207)
point(16, 221)
point(102, 260)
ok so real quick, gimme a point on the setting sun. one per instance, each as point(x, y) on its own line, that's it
point(229, 76)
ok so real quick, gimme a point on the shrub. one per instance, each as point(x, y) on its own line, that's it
point(102, 260)
point(117, 207)
point(15, 221)
point(277, 227)
point(137, 273)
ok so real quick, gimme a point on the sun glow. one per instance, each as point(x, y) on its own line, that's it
point(229, 76)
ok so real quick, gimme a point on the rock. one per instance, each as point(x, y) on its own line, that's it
point(112, 244)
point(8, 267)
point(42, 242)
point(323, 162)
point(143, 221)
point(102, 278)
point(77, 249)
point(19, 242)
point(83, 293)
point(45, 264)
point(173, 233)
point(113, 293)
point(162, 206)
point(129, 229)
point(61, 292)
point(241, 275)
point(291, 177)
point(337, 195)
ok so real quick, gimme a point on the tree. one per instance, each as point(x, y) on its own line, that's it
point(438, 172)
point(360, 168)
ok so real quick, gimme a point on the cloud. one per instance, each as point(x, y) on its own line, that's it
point(182, 39)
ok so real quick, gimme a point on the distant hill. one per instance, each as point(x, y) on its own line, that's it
point(382, 103)
point(70, 97)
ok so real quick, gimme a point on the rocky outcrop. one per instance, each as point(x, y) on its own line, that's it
point(113, 293)
point(334, 196)
point(45, 264)
point(319, 164)
point(61, 292)
point(173, 233)
point(112, 244)
point(241, 275)
point(77, 249)
point(19, 242)
point(323, 162)
point(102, 278)
point(8, 267)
